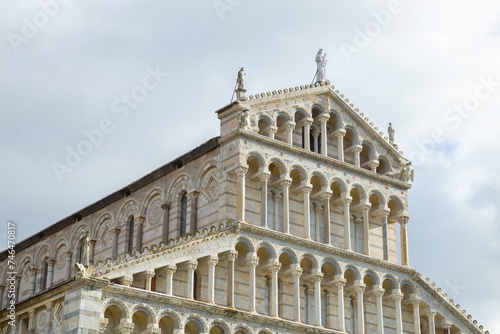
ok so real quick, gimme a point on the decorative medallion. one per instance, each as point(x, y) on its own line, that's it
point(41, 321)
point(61, 257)
point(155, 212)
point(105, 236)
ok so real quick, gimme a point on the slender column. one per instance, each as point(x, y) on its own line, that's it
point(69, 254)
point(139, 222)
point(170, 271)
point(446, 326)
point(289, 131)
point(33, 272)
point(31, 322)
point(360, 289)
point(166, 221)
point(212, 262)
point(432, 326)
point(92, 250)
point(366, 229)
point(50, 273)
point(317, 299)
point(340, 133)
point(18, 286)
point(307, 130)
point(356, 151)
point(340, 297)
point(324, 136)
point(272, 131)
point(326, 217)
point(373, 165)
point(307, 215)
point(276, 203)
point(115, 232)
point(398, 297)
point(357, 222)
point(275, 267)
point(49, 309)
point(231, 256)
point(309, 306)
point(385, 234)
point(2, 289)
point(347, 224)
point(296, 296)
point(190, 267)
point(264, 177)
point(193, 217)
point(240, 192)
point(379, 294)
point(317, 212)
point(253, 263)
point(403, 221)
point(416, 314)
point(149, 276)
point(285, 184)
point(316, 141)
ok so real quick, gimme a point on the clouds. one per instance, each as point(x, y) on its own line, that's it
point(429, 58)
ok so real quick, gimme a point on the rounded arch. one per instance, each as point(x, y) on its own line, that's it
point(335, 120)
point(292, 254)
point(127, 209)
point(120, 304)
point(146, 309)
point(286, 114)
point(181, 182)
point(205, 167)
point(280, 162)
point(61, 242)
point(393, 281)
point(198, 321)
point(166, 313)
point(300, 169)
point(242, 329)
point(26, 260)
point(321, 176)
point(265, 331)
point(380, 195)
point(222, 324)
point(155, 193)
point(335, 265)
point(261, 160)
point(78, 234)
point(316, 110)
point(361, 189)
point(43, 252)
point(407, 283)
point(354, 135)
point(373, 275)
point(105, 216)
point(384, 166)
point(247, 242)
point(397, 201)
point(340, 184)
point(268, 119)
point(313, 261)
point(268, 248)
point(354, 269)
point(299, 114)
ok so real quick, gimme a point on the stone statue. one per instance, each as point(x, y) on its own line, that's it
point(85, 249)
point(80, 270)
point(321, 66)
point(241, 79)
point(244, 120)
point(391, 131)
point(407, 173)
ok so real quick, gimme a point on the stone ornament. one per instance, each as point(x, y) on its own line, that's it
point(41, 321)
point(155, 212)
point(321, 66)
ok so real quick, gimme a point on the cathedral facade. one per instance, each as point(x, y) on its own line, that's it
point(293, 220)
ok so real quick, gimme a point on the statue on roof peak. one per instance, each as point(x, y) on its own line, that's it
point(321, 66)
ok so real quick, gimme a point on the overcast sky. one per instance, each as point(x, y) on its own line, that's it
point(429, 67)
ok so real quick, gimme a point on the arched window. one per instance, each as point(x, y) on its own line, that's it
point(195, 285)
point(130, 245)
point(183, 214)
point(45, 273)
point(324, 304)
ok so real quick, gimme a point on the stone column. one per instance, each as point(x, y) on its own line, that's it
point(33, 272)
point(357, 150)
point(316, 141)
point(309, 307)
point(317, 211)
point(115, 232)
point(240, 192)
point(2, 289)
point(103, 323)
point(307, 133)
point(139, 222)
point(385, 234)
point(324, 135)
point(190, 267)
point(193, 204)
point(264, 177)
point(340, 133)
point(92, 250)
point(373, 165)
point(49, 309)
point(276, 209)
point(360, 289)
point(398, 297)
point(416, 314)
point(126, 325)
point(296, 296)
point(326, 217)
point(231, 257)
point(69, 254)
point(366, 229)
point(166, 221)
point(275, 267)
point(149, 276)
point(31, 322)
point(50, 273)
point(285, 184)
point(347, 224)
point(170, 271)
point(252, 263)
point(432, 326)
point(340, 297)
point(446, 326)
point(317, 298)
point(212, 262)
point(403, 221)
point(307, 215)
point(272, 131)
point(290, 125)
point(18, 286)
point(379, 294)
point(357, 222)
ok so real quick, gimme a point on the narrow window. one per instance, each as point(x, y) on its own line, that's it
point(131, 235)
point(267, 301)
point(45, 273)
point(323, 309)
point(183, 214)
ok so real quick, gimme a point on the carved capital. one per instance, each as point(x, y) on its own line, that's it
point(431, 313)
point(170, 269)
point(103, 323)
point(192, 265)
point(346, 200)
point(275, 267)
point(240, 171)
point(51, 262)
point(357, 149)
point(150, 273)
point(34, 270)
point(360, 289)
point(403, 220)
point(140, 219)
point(193, 193)
point(378, 293)
point(115, 230)
point(264, 176)
point(416, 302)
point(166, 206)
point(318, 277)
point(340, 133)
point(127, 280)
point(323, 118)
point(254, 261)
point(340, 282)
point(286, 183)
point(272, 129)
point(397, 296)
point(296, 273)
point(232, 255)
point(213, 260)
point(290, 125)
